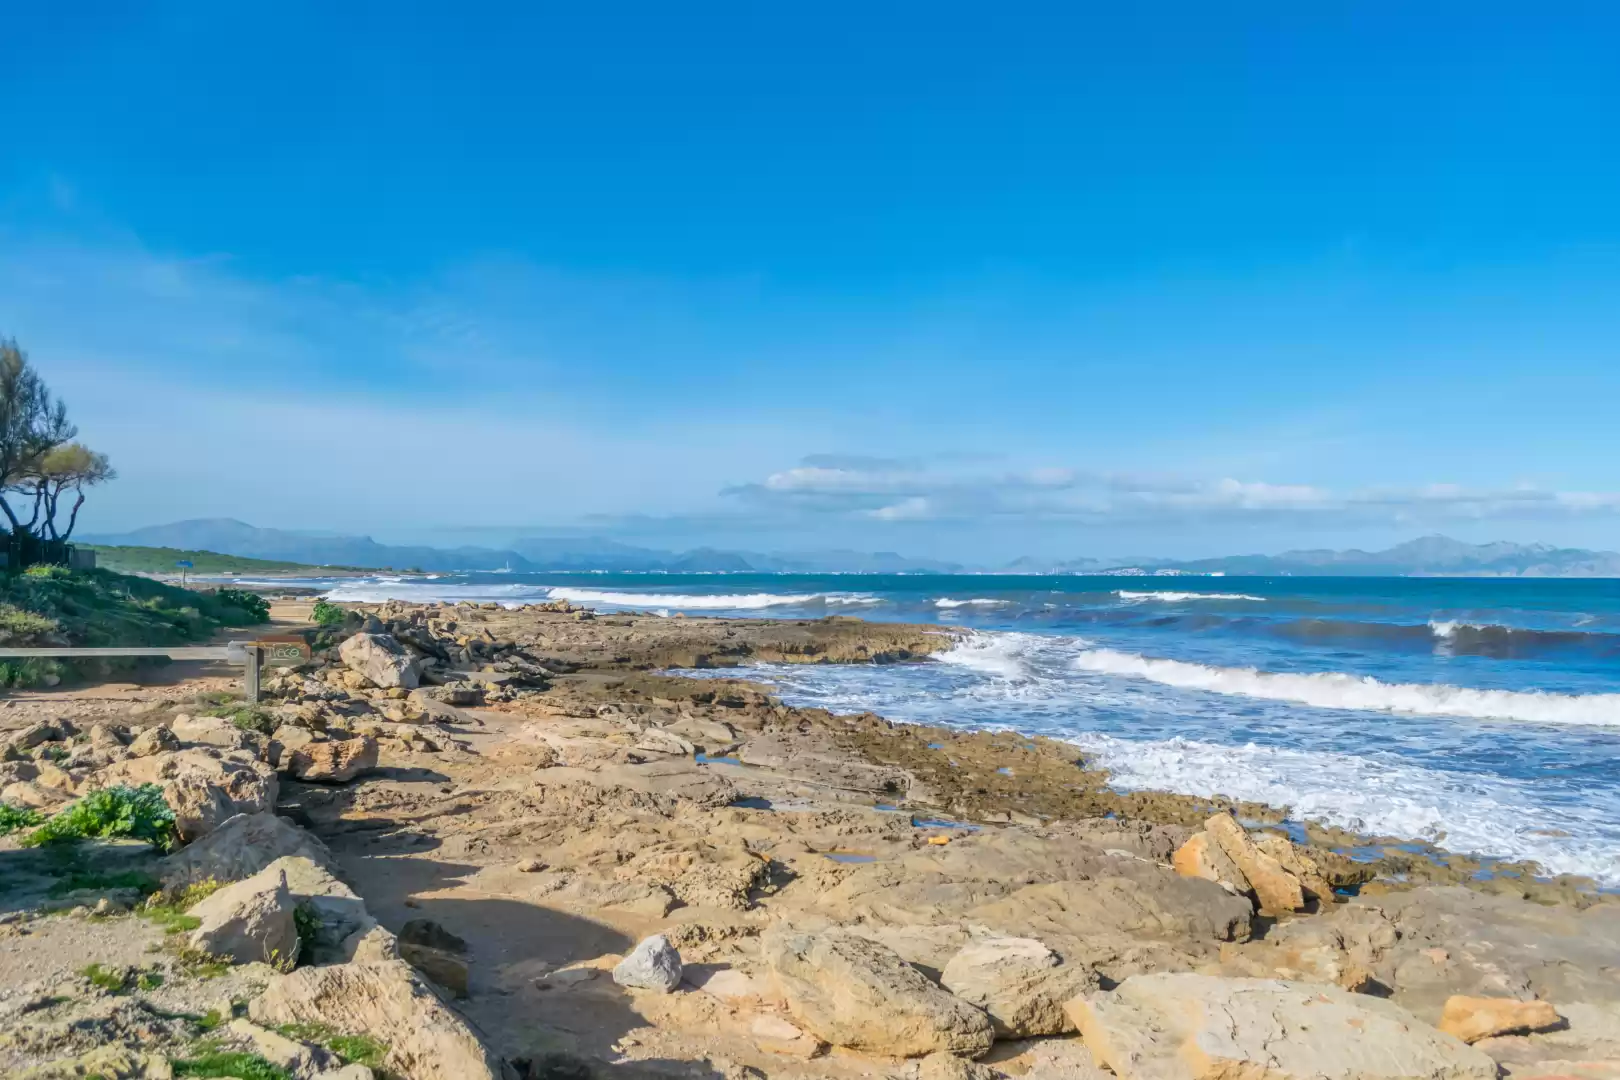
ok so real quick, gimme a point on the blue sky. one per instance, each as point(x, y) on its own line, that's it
point(1063, 279)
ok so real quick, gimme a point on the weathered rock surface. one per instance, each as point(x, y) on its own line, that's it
point(1020, 982)
point(203, 790)
point(389, 1002)
point(334, 761)
point(241, 847)
point(153, 740)
point(297, 1058)
point(1474, 1018)
point(208, 731)
point(1200, 1027)
point(1202, 857)
point(381, 659)
point(249, 921)
point(856, 993)
point(651, 965)
point(1278, 891)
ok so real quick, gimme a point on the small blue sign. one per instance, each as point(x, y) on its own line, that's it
point(183, 562)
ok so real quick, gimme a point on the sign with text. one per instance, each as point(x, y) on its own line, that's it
point(284, 651)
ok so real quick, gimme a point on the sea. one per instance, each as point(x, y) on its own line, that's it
point(1479, 715)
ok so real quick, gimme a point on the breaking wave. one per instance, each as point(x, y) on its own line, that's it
point(1182, 597)
point(947, 603)
point(1336, 690)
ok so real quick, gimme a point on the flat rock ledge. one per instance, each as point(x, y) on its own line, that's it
point(1201, 1027)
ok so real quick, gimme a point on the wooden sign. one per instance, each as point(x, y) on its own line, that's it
point(288, 651)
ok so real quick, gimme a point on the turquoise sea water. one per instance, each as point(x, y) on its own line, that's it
point(1483, 715)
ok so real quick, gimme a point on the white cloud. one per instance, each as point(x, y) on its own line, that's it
point(915, 493)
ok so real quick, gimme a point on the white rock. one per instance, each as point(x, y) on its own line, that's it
point(652, 965)
point(381, 659)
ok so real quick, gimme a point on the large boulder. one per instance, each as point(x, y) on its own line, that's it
point(251, 920)
point(389, 1002)
point(333, 761)
point(239, 848)
point(1278, 891)
point(1200, 1027)
point(381, 660)
point(1020, 982)
point(209, 731)
point(856, 993)
point(202, 788)
point(652, 965)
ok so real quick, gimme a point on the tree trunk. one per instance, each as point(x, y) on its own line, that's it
point(16, 526)
point(73, 518)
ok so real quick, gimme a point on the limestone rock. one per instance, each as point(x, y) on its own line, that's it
point(1278, 891)
point(287, 740)
point(436, 953)
point(1202, 857)
point(859, 994)
point(951, 1067)
point(208, 731)
point(389, 1002)
point(1298, 862)
point(203, 789)
point(1020, 982)
point(1200, 1027)
point(249, 921)
point(353, 1071)
point(381, 660)
point(106, 1062)
point(1474, 1018)
point(33, 795)
point(775, 1035)
point(241, 847)
point(335, 761)
point(153, 740)
point(652, 965)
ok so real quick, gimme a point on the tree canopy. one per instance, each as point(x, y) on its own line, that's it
point(39, 461)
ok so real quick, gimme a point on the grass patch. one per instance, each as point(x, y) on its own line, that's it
point(13, 818)
point(230, 1063)
point(353, 1049)
point(112, 979)
point(168, 910)
point(112, 813)
point(245, 717)
point(119, 980)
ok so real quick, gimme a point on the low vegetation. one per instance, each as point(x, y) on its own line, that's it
point(353, 1049)
point(13, 818)
point(112, 813)
point(222, 1063)
point(51, 606)
point(163, 560)
point(328, 614)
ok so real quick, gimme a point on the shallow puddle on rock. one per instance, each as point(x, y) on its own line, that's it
point(848, 857)
point(706, 759)
point(942, 823)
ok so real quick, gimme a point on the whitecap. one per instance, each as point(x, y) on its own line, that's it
point(1181, 597)
point(1337, 690)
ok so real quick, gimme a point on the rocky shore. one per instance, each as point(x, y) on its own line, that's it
point(469, 842)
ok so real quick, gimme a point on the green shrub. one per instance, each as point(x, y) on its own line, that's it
point(246, 717)
point(13, 818)
point(256, 606)
point(112, 813)
point(168, 909)
point(113, 979)
point(353, 1049)
point(328, 614)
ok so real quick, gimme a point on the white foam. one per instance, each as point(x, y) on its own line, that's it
point(1488, 814)
point(1182, 597)
point(1000, 655)
point(1336, 690)
point(947, 603)
point(682, 601)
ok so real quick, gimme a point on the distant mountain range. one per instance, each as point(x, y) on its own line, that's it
point(1429, 556)
point(231, 537)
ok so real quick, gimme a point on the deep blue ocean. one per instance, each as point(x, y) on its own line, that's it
point(1480, 714)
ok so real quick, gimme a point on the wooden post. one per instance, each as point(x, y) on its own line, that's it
point(250, 678)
